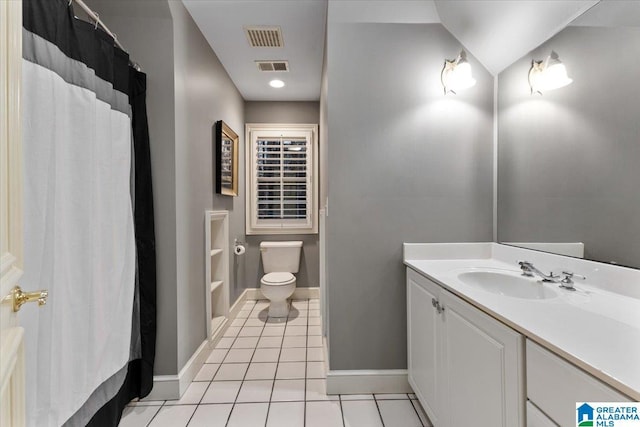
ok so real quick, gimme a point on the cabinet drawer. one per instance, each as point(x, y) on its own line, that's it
point(555, 385)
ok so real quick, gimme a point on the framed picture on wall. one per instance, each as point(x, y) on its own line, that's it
point(226, 159)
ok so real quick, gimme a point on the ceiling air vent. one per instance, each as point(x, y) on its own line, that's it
point(273, 65)
point(264, 36)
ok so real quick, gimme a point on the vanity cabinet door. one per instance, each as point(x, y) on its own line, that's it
point(482, 359)
point(423, 338)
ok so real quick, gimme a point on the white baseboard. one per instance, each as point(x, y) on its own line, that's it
point(306, 293)
point(193, 366)
point(299, 293)
point(237, 306)
point(253, 293)
point(170, 387)
point(165, 387)
point(368, 381)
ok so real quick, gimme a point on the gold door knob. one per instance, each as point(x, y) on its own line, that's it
point(19, 298)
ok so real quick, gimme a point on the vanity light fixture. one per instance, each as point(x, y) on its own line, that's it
point(548, 74)
point(456, 74)
point(276, 83)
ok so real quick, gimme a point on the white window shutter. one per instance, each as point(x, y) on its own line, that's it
point(282, 183)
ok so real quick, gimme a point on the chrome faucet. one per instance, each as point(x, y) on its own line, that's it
point(528, 269)
point(566, 282)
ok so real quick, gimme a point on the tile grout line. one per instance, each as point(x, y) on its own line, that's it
point(275, 374)
point(233, 404)
point(244, 379)
point(416, 411)
point(378, 408)
point(192, 414)
point(249, 364)
point(219, 365)
point(197, 405)
point(209, 381)
point(222, 361)
point(278, 362)
point(156, 414)
point(306, 365)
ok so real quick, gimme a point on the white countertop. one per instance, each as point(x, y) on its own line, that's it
point(594, 328)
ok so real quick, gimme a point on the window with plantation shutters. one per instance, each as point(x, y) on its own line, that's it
point(281, 179)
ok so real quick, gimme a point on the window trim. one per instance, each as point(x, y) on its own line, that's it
point(252, 227)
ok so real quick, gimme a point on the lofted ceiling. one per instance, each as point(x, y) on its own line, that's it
point(498, 33)
point(611, 13)
point(495, 32)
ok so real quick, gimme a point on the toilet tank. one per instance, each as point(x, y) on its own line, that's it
point(281, 256)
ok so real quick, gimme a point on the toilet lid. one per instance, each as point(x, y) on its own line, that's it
point(278, 278)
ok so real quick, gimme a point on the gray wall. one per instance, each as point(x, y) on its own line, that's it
point(568, 160)
point(188, 90)
point(204, 93)
point(146, 30)
point(406, 164)
point(282, 112)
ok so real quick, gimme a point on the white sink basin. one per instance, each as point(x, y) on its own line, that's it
point(507, 284)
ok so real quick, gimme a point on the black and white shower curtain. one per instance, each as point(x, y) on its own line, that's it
point(88, 225)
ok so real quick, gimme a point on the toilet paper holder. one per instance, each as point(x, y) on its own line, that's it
point(238, 247)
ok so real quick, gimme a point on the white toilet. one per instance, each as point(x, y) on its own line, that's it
point(280, 260)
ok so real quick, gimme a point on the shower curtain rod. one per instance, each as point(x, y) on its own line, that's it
point(96, 19)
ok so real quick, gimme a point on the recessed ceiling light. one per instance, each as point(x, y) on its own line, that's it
point(276, 83)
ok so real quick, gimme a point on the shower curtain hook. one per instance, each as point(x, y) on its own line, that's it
point(70, 1)
point(97, 20)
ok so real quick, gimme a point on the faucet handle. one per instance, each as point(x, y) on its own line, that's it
point(570, 275)
point(525, 265)
point(567, 282)
point(526, 268)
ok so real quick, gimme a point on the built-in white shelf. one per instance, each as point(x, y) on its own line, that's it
point(216, 254)
point(216, 284)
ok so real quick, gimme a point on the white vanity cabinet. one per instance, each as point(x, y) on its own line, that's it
point(465, 367)
point(555, 386)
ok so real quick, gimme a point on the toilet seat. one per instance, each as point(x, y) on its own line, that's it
point(278, 279)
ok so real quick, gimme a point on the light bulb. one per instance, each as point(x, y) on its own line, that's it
point(276, 83)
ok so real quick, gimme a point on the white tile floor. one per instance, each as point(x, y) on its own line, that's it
point(271, 373)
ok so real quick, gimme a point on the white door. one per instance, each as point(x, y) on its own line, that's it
point(11, 335)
